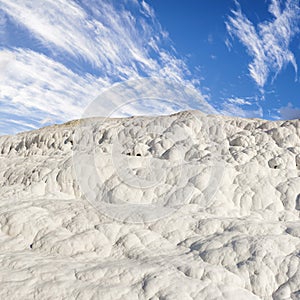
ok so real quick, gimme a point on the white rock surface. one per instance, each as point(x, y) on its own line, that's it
point(233, 186)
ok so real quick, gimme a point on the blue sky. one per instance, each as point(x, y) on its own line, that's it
point(56, 56)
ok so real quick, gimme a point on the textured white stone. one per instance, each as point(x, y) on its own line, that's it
point(234, 236)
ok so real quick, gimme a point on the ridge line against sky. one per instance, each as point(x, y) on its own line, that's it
point(57, 56)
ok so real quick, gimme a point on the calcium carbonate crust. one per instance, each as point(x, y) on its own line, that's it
point(241, 242)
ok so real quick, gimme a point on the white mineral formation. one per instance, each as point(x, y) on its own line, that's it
point(187, 206)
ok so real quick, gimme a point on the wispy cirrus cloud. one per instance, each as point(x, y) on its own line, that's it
point(235, 110)
point(34, 88)
point(268, 42)
point(103, 33)
point(65, 52)
point(235, 106)
point(239, 101)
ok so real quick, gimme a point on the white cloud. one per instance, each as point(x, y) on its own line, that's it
point(146, 96)
point(232, 107)
point(35, 87)
point(289, 112)
point(239, 101)
point(2, 20)
point(108, 37)
point(147, 9)
point(268, 44)
point(6, 58)
point(113, 40)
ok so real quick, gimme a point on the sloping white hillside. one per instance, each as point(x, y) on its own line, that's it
point(187, 206)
